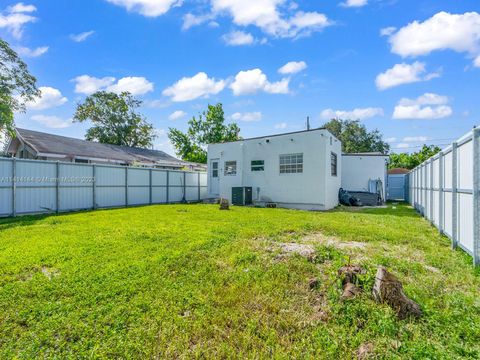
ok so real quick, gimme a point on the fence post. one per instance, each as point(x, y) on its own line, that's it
point(150, 189)
point(94, 186)
point(168, 187)
point(184, 186)
point(432, 218)
point(476, 196)
point(57, 186)
point(198, 180)
point(14, 187)
point(126, 185)
point(440, 193)
point(454, 196)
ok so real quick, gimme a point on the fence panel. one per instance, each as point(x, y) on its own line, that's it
point(35, 186)
point(446, 190)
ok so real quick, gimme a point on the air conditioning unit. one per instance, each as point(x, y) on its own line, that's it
point(242, 195)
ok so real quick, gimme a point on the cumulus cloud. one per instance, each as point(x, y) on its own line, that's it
point(253, 81)
point(427, 106)
point(404, 74)
point(267, 15)
point(247, 117)
point(148, 8)
point(178, 114)
point(191, 88)
point(33, 53)
point(443, 31)
point(238, 38)
point(191, 20)
point(82, 36)
point(87, 85)
point(134, 85)
point(49, 98)
point(477, 61)
point(15, 17)
point(357, 114)
point(292, 67)
point(354, 3)
point(387, 31)
point(53, 122)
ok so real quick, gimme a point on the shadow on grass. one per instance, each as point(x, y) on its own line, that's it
point(393, 209)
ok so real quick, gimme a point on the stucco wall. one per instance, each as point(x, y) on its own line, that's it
point(357, 170)
point(314, 189)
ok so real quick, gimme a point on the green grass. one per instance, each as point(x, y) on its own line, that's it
point(190, 281)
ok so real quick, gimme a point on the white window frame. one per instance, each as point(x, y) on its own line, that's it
point(291, 164)
point(257, 167)
point(230, 168)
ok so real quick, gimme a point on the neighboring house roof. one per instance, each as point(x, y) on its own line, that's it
point(397, 171)
point(48, 144)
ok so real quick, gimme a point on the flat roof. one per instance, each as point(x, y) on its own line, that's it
point(275, 135)
point(366, 154)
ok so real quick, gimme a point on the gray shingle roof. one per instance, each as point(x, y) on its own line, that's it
point(56, 144)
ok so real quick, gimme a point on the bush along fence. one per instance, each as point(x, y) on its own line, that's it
point(446, 190)
point(36, 186)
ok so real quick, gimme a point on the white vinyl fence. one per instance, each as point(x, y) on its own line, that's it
point(446, 190)
point(36, 186)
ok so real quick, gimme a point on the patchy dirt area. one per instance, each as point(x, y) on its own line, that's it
point(319, 238)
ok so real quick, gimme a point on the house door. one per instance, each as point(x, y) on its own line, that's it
point(214, 180)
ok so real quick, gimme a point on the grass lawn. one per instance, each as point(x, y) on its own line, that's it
point(187, 281)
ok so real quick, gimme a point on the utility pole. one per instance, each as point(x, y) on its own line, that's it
point(308, 123)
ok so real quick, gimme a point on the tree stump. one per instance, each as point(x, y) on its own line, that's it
point(224, 204)
point(350, 291)
point(388, 289)
point(350, 272)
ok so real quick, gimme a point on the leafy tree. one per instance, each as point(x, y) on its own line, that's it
point(17, 86)
point(410, 161)
point(208, 128)
point(356, 138)
point(115, 120)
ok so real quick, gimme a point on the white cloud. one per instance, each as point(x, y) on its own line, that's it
point(404, 74)
point(388, 31)
point(477, 61)
point(53, 122)
point(238, 38)
point(411, 139)
point(27, 52)
point(132, 84)
point(391, 140)
point(282, 125)
point(266, 14)
point(178, 114)
point(15, 17)
point(252, 81)
point(191, 88)
point(82, 36)
point(191, 20)
point(354, 3)
point(443, 31)
point(402, 146)
point(427, 106)
point(247, 117)
point(356, 114)
point(292, 67)
point(149, 8)
point(49, 98)
point(87, 85)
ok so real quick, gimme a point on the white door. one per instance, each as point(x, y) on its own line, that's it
point(214, 182)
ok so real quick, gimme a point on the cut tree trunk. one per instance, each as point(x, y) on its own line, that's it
point(224, 205)
point(388, 289)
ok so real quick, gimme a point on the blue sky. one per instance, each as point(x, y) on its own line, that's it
point(409, 68)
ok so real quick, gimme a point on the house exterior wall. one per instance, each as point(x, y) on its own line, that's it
point(313, 189)
point(357, 170)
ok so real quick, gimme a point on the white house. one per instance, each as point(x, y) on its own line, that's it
point(358, 170)
point(295, 170)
